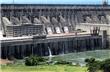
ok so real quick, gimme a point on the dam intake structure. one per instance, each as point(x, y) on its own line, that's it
point(40, 28)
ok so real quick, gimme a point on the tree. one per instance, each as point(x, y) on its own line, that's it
point(92, 64)
point(105, 66)
point(33, 60)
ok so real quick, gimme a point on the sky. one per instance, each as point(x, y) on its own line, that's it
point(53, 1)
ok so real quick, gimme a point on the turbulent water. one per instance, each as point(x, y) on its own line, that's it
point(81, 56)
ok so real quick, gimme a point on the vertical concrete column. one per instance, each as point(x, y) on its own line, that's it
point(18, 51)
point(92, 44)
point(66, 46)
point(41, 48)
point(9, 51)
point(104, 38)
point(73, 44)
point(12, 51)
point(63, 47)
point(45, 49)
point(23, 49)
point(83, 45)
point(5, 47)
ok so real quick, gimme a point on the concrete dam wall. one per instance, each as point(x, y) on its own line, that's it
point(38, 29)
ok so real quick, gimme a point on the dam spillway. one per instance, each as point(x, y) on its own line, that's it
point(31, 28)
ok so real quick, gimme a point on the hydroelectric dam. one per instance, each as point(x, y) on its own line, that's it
point(60, 28)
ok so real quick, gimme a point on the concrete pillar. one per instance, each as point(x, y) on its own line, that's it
point(5, 47)
point(104, 39)
point(66, 46)
point(4, 52)
point(83, 45)
point(18, 52)
point(23, 47)
point(92, 44)
point(3, 55)
point(9, 51)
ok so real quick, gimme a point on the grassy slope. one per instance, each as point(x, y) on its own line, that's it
point(43, 68)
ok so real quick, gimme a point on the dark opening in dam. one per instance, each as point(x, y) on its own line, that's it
point(57, 47)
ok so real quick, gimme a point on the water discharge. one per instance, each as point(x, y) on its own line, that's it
point(50, 54)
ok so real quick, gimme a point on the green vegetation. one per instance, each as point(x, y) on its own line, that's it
point(105, 65)
point(34, 60)
point(43, 68)
point(63, 63)
point(95, 65)
point(39, 64)
point(97, 61)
